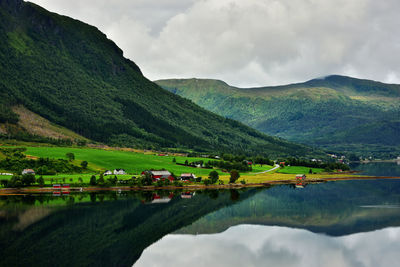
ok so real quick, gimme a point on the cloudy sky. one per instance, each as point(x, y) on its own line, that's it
point(252, 245)
point(252, 42)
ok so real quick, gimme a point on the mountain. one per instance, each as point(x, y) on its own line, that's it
point(70, 74)
point(330, 112)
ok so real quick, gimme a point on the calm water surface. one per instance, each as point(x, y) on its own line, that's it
point(351, 223)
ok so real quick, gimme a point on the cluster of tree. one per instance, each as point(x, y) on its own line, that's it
point(16, 161)
point(226, 165)
point(315, 164)
point(262, 160)
point(21, 181)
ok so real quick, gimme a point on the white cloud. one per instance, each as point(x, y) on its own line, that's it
point(249, 43)
point(249, 245)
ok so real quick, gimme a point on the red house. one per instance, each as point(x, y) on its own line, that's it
point(157, 175)
point(65, 186)
point(56, 186)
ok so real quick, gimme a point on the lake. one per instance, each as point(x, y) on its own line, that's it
point(346, 223)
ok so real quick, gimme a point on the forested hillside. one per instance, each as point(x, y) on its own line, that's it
point(69, 73)
point(334, 111)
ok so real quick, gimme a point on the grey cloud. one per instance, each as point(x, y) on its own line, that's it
point(250, 43)
point(249, 245)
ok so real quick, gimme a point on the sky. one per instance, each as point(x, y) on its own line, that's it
point(256, 245)
point(249, 43)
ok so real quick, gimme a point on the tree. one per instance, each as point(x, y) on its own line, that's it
point(40, 181)
point(93, 180)
point(310, 171)
point(174, 160)
point(70, 156)
point(146, 179)
point(101, 181)
point(234, 176)
point(28, 179)
point(186, 162)
point(213, 176)
point(84, 164)
point(80, 180)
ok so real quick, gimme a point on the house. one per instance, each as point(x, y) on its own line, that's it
point(159, 175)
point(187, 195)
point(107, 172)
point(248, 162)
point(28, 171)
point(119, 171)
point(282, 163)
point(300, 177)
point(188, 176)
point(157, 199)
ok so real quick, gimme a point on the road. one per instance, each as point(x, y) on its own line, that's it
point(270, 170)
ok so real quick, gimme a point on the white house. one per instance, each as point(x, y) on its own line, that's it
point(107, 172)
point(187, 176)
point(28, 171)
point(119, 171)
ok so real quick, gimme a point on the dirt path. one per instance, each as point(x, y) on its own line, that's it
point(270, 170)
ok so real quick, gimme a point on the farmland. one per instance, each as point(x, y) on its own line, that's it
point(299, 169)
point(109, 159)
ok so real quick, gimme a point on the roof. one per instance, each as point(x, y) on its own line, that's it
point(187, 174)
point(28, 170)
point(160, 173)
point(119, 170)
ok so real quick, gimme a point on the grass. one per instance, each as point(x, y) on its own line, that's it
point(133, 162)
point(299, 170)
point(268, 177)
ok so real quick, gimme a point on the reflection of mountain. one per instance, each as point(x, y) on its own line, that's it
point(338, 208)
point(109, 233)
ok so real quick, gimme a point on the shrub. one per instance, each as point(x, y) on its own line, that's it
point(207, 182)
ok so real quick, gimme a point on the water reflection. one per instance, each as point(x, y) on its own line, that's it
point(114, 228)
point(250, 245)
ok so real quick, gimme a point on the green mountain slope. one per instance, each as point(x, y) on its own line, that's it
point(330, 111)
point(69, 73)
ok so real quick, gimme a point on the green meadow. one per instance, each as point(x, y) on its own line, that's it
point(299, 170)
point(132, 162)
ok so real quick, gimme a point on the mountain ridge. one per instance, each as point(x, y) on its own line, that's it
point(336, 110)
point(69, 73)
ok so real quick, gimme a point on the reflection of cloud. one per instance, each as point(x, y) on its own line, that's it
point(249, 245)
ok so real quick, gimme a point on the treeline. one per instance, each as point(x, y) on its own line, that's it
point(16, 161)
point(229, 166)
point(328, 166)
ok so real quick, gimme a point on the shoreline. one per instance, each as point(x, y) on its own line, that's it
point(13, 191)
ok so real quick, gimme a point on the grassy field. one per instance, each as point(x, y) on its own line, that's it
point(299, 170)
point(133, 162)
